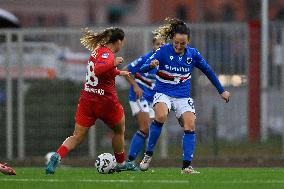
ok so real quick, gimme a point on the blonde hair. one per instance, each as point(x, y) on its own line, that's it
point(172, 26)
point(157, 37)
point(91, 40)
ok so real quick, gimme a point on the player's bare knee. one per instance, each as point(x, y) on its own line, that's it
point(189, 126)
point(144, 126)
point(161, 117)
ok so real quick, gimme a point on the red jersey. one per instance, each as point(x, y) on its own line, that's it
point(99, 99)
point(101, 72)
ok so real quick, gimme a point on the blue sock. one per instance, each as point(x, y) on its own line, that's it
point(154, 134)
point(136, 145)
point(188, 143)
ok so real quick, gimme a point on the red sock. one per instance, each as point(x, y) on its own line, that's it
point(62, 151)
point(119, 156)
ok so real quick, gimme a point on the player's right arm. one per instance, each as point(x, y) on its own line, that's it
point(152, 62)
point(133, 68)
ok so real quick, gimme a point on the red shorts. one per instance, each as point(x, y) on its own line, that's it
point(106, 108)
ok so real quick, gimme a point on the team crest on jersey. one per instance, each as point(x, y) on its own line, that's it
point(105, 55)
point(188, 60)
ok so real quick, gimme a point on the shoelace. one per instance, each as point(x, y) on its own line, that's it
point(3, 165)
point(146, 159)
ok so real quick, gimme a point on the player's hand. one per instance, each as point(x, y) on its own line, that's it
point(226, 96)
point(138, 91)
point(118, 60)
point(124, 73)
point(154, 63)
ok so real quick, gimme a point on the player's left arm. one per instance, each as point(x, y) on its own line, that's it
point(115, 71)
point(105, 62)
point(208, 71)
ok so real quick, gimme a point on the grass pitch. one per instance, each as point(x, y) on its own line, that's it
point(157, 178)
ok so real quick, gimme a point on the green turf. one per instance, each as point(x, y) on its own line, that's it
point(164, 178)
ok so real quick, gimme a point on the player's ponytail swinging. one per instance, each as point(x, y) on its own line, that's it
point(172, 26)
point(91, 40)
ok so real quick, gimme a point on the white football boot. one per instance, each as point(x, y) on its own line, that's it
point(189, 170)
point(144, 165)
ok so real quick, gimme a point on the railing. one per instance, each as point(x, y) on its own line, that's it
point(38, 101)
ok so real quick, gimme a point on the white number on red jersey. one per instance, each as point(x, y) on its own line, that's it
point(91, 79)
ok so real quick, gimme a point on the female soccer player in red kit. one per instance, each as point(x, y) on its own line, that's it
point(99, 98)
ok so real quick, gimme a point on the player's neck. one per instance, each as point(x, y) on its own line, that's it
point(180, 54)
point(111, 47)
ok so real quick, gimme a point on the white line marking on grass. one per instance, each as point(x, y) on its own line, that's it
point(97, 181)
point(149, 181)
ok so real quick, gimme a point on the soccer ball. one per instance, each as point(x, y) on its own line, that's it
point(48, 156)
point(105, 163)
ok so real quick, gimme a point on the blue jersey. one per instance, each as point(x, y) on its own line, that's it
point(145, 81)
point(174, 71)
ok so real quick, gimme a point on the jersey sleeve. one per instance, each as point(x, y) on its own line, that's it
point(135, 66)
point(207, 70)
point(156, 56)
point(104, 62)
point(115, 72)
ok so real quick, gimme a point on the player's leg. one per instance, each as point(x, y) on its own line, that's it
point(139, 138)
point(118, 146)
point(73, 141)
point(188, 141)
point(114, 117)
point(161, 113)
point(70, 143)
point(186, 113)
point(84, 120)
point(162, 105)
point(118, 140)
point(6, 170)
point(141, 112)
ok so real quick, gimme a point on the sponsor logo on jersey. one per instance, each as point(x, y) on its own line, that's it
point(134, 63)
point(105, 55)
point(177, 69)
point(171, 57)
point(93, 90)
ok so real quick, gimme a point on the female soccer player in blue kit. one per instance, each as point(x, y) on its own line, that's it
point(141, 97)
point(175, 62)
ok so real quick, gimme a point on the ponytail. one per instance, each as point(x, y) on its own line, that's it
point(91, 40)
point(172, 26)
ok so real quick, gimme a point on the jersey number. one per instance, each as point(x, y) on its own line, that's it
point(190, 103)
point(91, 79)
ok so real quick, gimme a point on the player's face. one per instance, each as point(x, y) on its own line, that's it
point(118, 45)
point(158, 43)
point(179, 42)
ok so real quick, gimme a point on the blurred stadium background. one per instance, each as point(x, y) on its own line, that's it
point(42, 70)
